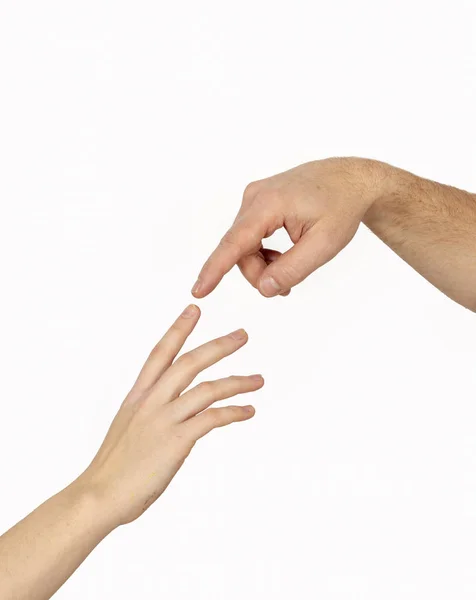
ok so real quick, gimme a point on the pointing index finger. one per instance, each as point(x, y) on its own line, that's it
point(242, 238)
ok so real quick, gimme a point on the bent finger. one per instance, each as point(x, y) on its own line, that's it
point(181, 374)
point(253, 266)
point(205, 394)
point(310, 252)
point(270, 256)
point(212, 418)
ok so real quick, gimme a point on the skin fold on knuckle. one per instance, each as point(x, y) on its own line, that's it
point(214, 418)
point(229, 240)
point(220, 345)
point(227, 387)
point(185, 362)
point(247, 239)
point(231, 414)
point(178, 326)
point(223, 388)
point(240, 384)
point(156, 351)
point(205, 388)
point(287, 275)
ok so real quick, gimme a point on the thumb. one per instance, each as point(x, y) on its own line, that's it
point(292, 267)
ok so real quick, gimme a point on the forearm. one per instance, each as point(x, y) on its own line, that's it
point(39, 554)
point(432, 227)
point(152, 434)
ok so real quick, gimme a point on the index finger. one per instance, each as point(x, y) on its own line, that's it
point(244, 237)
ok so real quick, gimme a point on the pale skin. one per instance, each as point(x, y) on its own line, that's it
point(321, 205)
point(152, 434)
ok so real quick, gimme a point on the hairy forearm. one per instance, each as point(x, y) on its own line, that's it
point(39, 554)
point(432, 227)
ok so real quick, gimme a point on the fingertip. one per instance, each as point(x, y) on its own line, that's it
point(239, 335)
point(257, 379)
point(269, 287)
point(249, 411)
point(197, 289)
point(191, 311)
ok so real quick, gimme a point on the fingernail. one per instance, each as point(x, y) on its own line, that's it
point(239, 334)
point(269, 287)
point(196, 287)
point(256, 377)
point(190, 311)
point(249, 409)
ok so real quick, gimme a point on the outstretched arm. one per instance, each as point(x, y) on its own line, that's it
point(321, 204)
point(433, 228)
point(148, 441)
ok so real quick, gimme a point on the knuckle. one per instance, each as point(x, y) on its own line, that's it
point(250, 190)
point(177, 325)
point(214, 418)
point(205, 387)
point(156, 350)
point(231, 414)
point(159, 346)
point(238, 382)
point(229, 239)
point(185, 361)
point(217, 346)
point(175, 330)
point(249, 237)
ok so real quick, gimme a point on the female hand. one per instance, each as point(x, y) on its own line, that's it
point(150, 437)
point(158, 425)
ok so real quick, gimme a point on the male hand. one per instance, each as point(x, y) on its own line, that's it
point(320, 204)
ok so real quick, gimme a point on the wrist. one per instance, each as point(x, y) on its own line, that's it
point(367, 181)
point(90, 507)
point(390, 188)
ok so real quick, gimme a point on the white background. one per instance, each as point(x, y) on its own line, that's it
point(128, 131)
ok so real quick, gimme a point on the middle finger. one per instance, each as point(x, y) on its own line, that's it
point(184, 370)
